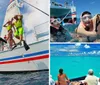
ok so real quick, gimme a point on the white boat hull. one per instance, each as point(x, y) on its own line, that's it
point(58, 11)
point(35, 59)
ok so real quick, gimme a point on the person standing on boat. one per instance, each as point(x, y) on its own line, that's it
point(17, 25)
point(91, 79)
point(62, 78)
point(10, 39)
point(88, 29)
point(19, 30)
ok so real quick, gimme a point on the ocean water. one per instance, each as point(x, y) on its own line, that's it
point(29, 78)
point(71, 27)
point(75, 59)
point(68, 33)
point(74, 66)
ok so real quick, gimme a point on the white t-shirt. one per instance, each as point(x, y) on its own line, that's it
point(91, 80)
point(98, 83)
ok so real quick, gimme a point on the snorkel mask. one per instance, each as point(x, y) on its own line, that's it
point(56, 22)
point(86, 18)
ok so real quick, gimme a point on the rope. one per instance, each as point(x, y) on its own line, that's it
point(36, 8)
point(65, 16)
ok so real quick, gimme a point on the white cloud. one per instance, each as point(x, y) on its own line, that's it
point(86, 46)
point(98, 52)
point(69, 50)
point(78, 44)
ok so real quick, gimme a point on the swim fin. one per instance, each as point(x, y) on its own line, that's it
point(26, 46)
point(1, 39)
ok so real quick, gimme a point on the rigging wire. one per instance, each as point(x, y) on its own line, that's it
point(36, 8)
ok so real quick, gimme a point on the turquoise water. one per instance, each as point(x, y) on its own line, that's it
point(74, 66)
point(71, 28)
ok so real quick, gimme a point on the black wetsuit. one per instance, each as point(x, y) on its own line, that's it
point(60, 33)
point(54, 31)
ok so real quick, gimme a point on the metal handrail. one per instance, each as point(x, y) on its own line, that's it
point(42, 34)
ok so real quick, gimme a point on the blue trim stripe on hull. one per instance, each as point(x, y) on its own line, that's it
point(26, 55)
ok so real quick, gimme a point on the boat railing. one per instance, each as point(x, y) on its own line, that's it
point(41, 31)
point(60, 5)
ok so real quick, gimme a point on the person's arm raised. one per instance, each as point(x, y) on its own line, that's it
point(82, 31)
point(5, 25)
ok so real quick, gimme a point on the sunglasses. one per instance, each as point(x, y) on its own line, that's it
point(85, 18)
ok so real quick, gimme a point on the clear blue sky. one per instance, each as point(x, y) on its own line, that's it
point(83, 5)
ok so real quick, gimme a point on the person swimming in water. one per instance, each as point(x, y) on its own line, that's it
point(87, 31)
point(62, 78)
point(58, 33)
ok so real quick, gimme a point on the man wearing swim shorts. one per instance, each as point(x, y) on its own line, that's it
point(17, 23)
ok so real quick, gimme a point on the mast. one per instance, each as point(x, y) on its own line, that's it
point(73, 11)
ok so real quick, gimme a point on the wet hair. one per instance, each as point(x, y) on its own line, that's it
point(61, 71)
point(86, 12)
point(15, 17)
